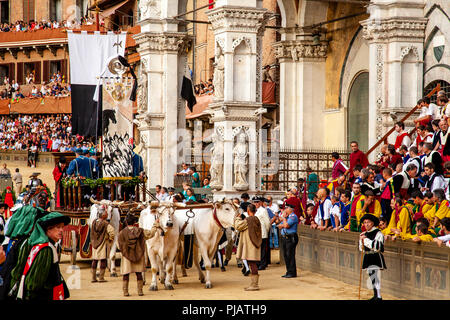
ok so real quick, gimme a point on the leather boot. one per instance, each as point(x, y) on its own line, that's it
point(125, 288)
point(254, 283)
point(140, 286)
point(101, 277)
point(94, 274)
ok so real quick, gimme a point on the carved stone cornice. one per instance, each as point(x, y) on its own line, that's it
point(300, 49)
point(150, 121)
point(399, 28)
point(237, 19)
point(233, 111)
point(163, 41)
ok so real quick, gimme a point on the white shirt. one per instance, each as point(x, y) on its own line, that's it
point(336, 211)
point(434, 111)
point(274, 208)
point(447, 110)
point(263, 217)
point(326, 211)
point(426, 111)
point(414, 161)
point(438, 182)
point(445, 239)
point(406, 140)
point(161, 196)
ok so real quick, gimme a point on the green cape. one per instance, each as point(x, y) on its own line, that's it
point(21, 222)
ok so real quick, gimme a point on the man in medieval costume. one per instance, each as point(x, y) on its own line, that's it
point(250, 243)
point(59, 172)
point(102, 233)
point(132, 246)
point(17, 231)
point(371, 242)
point(41, 278)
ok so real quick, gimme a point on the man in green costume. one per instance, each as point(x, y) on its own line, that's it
point(18, 230)
point(312, 182)
point(41, 278)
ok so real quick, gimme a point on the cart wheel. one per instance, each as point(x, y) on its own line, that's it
point(73, 258)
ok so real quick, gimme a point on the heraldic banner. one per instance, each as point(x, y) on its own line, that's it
point(117, 131)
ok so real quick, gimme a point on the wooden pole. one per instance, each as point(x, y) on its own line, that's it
point(360, 274)
point(97, 20)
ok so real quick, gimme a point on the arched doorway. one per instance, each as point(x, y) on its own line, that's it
point(358, 111)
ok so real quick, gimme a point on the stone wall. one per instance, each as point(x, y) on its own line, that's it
point(19, 159)
point(414, 271)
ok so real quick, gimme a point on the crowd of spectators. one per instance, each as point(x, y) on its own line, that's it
point(204, 88)
point(407, 188)
point(40, 133)
point(21, 26)
point(56, 87)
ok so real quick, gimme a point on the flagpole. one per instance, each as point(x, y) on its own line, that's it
point(97, 10)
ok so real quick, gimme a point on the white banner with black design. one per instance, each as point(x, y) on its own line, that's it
point(88, 54)
point(117, 132)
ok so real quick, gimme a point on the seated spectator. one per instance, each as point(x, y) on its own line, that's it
point(445, 239)
point(190, 196)
point(185, 170)
point(323, 216)
point(422, 234)
point(357, 174)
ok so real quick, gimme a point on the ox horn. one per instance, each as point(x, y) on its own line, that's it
point(94, 201)
point(118, 203)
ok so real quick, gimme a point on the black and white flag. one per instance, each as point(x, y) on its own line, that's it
point(88, 55)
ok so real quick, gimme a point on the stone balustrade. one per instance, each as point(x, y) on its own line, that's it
point(414, 271)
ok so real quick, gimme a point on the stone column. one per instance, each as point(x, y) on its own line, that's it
point(302, 98)
point(161, 121)
point(395, 32)
point(237, 103)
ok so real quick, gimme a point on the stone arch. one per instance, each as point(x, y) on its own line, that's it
point(358, 109)
point(288, 11)
point(406, 53)
point(356, 61)
point(311, 12)
point(438, 26)
point(239, 40)
point(301, 12)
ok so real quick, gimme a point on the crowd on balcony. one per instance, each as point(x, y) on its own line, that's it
point(204, 88)
point(56, 87)
point(406, 188)
point(40, 133)
point(21, 26)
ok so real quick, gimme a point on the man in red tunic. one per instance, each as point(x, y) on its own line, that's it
point(293, 200)
point(356, 157)
point(338, 166)
point(59, 172)
point(402, 136)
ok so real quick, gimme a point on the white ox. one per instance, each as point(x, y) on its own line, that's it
point(207, 232)
point(114, 219)
point(162, 248)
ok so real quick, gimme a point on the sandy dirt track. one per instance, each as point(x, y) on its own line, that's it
point(226, 285)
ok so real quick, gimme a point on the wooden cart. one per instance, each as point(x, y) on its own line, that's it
point(76, 235)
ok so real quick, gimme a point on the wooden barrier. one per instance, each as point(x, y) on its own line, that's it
point(414, 271)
